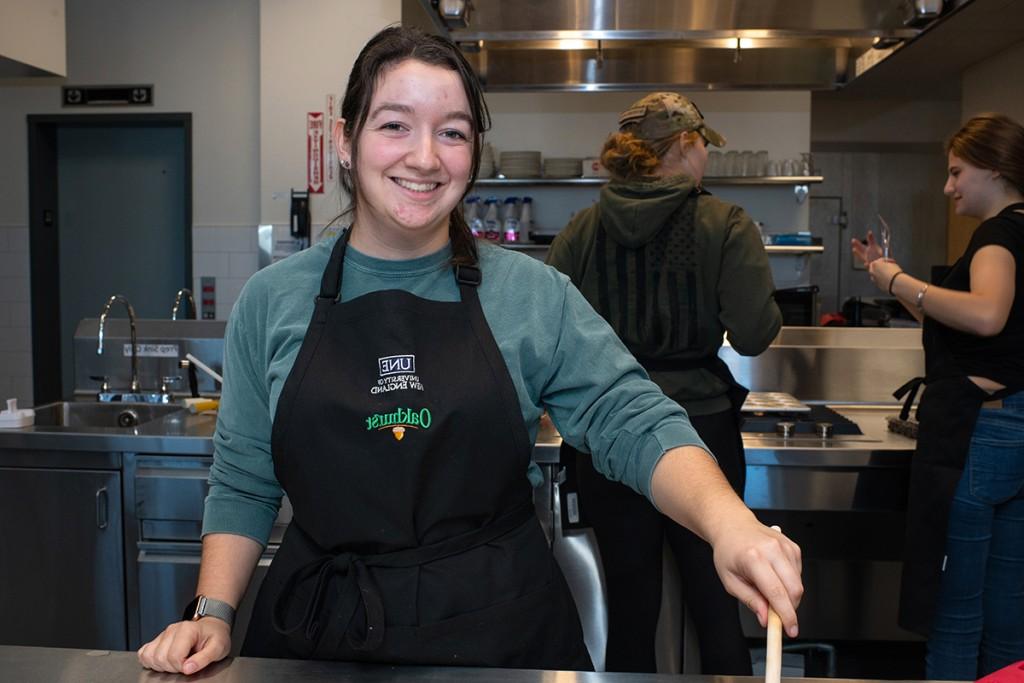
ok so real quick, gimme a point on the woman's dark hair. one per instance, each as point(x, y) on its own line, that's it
point(994, 142)
point(388, 48)
point(628, 157)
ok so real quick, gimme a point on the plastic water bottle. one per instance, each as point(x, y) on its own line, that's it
point(526, 218)
point(492, 226)
point(510, 227)
point(471, 211)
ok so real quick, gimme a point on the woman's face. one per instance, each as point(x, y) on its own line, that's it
point(414, 160)
point(973, 189)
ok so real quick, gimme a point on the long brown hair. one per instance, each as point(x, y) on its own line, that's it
point(994, 142)
point(389, 47)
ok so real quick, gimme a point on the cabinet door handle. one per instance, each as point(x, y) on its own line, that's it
point(102, 508)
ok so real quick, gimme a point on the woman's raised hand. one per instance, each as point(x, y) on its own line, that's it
point(867, 250)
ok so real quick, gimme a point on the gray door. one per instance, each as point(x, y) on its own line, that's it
point(120, 223)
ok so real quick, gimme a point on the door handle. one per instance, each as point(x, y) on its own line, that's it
point(102, 508)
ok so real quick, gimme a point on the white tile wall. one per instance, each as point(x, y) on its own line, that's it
point(15, 316)
point(228, 253)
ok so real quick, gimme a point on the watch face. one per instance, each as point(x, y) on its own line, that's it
point(190, 611)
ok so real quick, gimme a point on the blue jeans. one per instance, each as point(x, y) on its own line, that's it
point(979, 622)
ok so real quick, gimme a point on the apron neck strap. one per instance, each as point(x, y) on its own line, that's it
point(468, 275)
point(330, 283)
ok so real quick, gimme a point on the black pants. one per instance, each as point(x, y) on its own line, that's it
point(630, 533)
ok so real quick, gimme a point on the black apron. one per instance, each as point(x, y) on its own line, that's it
point(735, 392)
point(399, 441)
point(946, 416)
point(572, 460)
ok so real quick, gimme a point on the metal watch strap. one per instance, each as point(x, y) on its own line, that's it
point(203, 606)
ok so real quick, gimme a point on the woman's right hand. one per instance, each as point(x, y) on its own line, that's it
point(867, 250)
point(187, 646)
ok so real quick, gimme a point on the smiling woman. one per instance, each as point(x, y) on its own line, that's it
point(409, 140)
point(413, 155)
point(390, 381)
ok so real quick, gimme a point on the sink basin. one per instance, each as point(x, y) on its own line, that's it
point(85, 414)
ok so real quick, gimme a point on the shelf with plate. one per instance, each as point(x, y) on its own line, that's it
point(770, 249)
point(721, 180)
point(800, 183)
point(793, 249)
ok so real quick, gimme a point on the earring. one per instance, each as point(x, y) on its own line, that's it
point(346, 164)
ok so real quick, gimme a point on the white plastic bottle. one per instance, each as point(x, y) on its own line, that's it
point(492, 226)
point(471, 212)
point(510, 227)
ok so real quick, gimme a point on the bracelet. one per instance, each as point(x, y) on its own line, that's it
point(920, 297)
point(893, 279)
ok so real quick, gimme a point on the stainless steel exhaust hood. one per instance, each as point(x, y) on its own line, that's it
point(585, 45)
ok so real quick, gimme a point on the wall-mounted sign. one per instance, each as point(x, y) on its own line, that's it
point(107, 95)
point(332, 157)
point(315, 151)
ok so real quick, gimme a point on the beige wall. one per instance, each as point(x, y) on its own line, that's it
point(306, 51)
point(994, 85)
point(839, 119)
point(32, 33)
point(576, 124)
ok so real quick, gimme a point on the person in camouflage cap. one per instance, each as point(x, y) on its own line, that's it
point(672, 269)
point(662, 114)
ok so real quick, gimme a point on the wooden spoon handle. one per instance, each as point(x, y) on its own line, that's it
point(773, 651)
point(773, 654)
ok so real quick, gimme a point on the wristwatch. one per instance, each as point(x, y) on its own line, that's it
point(202, 606)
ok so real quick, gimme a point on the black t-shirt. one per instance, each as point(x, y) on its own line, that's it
point(999, 358)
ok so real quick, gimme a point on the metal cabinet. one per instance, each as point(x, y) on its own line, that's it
point(164, 514)
point(61, 558)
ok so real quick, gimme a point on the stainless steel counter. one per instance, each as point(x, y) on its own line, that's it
point(53, 665)
point(178, 433)
point(876, 447)
point(188, 434)
point(842, 499)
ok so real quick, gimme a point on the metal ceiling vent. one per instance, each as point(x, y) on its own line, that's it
point(584, 45)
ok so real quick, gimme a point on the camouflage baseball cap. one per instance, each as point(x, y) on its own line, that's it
point(661, 114)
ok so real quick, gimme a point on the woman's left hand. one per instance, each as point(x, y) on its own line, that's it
point(867, 251)
point(882, 271)
point(759, 565)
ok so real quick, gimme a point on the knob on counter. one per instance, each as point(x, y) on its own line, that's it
point(785, 429)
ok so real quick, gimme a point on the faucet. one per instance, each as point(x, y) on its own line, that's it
point(131, 319)
point(183, 292)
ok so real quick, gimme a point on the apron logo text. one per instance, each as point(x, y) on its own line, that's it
point(396, 383)
point(390, 365)
point(399, 421)
point(397, 373)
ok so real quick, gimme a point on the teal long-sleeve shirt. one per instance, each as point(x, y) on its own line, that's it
point(561, 355)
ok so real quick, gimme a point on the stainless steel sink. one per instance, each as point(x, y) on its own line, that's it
point(86, 414)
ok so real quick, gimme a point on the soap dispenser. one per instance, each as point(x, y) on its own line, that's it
point(13, 418)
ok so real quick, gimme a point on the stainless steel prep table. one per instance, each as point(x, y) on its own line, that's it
point(52, 665)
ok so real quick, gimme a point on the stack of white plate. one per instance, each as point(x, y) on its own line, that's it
point(525, 164)
point(486, 161)
point(562, 168)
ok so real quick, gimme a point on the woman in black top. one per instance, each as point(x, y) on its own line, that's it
point(963, 581)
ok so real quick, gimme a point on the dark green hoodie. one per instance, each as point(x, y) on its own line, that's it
point(672, 270)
